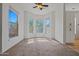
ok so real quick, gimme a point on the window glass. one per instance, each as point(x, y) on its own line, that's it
point(39, 26)
point(13, 23)
point(31, 26)
point(47, 25)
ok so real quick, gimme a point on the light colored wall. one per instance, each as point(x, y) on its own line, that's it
point(59, 23)
point(6, 41)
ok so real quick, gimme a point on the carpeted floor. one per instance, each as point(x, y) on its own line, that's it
point(40, 47)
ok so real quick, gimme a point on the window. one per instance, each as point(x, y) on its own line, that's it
point(13, 23)
point(47, 25)
point(31, 26)
point(39, 26)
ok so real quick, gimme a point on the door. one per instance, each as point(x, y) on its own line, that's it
point(70, 27)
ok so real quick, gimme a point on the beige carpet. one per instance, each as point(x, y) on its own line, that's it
point(40, 47)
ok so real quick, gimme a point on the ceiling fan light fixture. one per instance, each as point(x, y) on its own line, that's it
point(40, 6)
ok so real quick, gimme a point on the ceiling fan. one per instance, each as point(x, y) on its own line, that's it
point(40, 6)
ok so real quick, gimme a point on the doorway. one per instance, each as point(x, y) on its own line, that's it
point(72, 26)
point(72, 29)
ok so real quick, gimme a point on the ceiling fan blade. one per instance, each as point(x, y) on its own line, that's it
point(35, 7)
point(45, 5)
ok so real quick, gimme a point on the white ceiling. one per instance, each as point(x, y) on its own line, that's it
point(51, 7)
point(29, 7)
